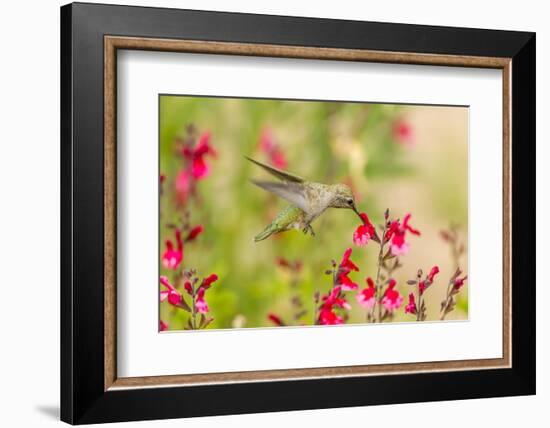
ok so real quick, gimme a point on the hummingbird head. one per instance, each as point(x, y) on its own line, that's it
point(343, 197)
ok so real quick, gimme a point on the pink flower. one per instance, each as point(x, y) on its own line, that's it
point(199, 167)
point(275, 319)
point(329, 317)
point(163, 326)
point(193, 233)
point(403, 132)
point(200, 303)
point(278, 159)
point(183, 185)
point(411, 307)
point(365, 232)
point(396, 232)
point(266, 141)
point(174, 298)
point(433, 273)
point(334, 299)
point(458, 283)
point(172, 257)
point(272, 150)
point(366, 297)
point(208, 281)
point(398, 246)
point(392, 300)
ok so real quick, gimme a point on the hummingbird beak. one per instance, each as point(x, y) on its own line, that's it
point(354, 208)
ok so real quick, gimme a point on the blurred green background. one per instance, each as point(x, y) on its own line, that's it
point(405, 158)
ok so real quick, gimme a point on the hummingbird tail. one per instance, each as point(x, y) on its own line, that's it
point(264, 234)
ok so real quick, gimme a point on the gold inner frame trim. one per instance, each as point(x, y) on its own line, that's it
point(113, 43)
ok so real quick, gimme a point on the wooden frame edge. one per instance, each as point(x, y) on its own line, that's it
point(112, 43)
point(299, 374)
point(301, 52)
point(109, 198)
point(507, 213)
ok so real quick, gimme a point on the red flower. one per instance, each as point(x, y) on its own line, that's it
point(275, 319)
point(172, 258)
point(365, 232)
point(163, 326)
point(433, 273)
point(346, 283)
point(174, 298)
point(334, 299)
point(346, 263)
point(329, 317)
point(200, 303)
point(396, 232)
point(459, 282)
point(421, 287)
point(199, 167)
point(392, 299)
point(366, 297)
point(403, 132)
point(193, 233)
point(411, 307)
point(345, 267)
point(188, 288)
point(208, 281)
point(272, 150)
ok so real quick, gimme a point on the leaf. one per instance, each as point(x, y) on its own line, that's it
point(208, 321)
point(300, 314)
point(202, 321)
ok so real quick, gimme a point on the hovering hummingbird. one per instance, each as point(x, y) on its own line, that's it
point(308, 201)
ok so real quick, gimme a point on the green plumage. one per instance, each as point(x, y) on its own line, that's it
point(309, 200)
point(289, 218)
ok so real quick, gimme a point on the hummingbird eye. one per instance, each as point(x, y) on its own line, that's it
point(350, 201)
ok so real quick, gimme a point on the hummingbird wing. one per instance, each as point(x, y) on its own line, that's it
point(292, 192)
point(280, 174)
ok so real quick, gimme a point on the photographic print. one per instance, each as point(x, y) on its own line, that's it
point(285, 213)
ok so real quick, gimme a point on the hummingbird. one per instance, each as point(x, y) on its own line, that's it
point(308, 200)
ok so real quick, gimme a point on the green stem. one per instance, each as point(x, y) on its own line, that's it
point(447, 301)
point(377, 283)
point(193, 311)
point(315, 305)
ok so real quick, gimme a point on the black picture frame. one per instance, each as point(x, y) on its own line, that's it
point(83, 397)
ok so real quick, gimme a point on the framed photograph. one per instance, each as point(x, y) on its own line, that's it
point(265, 213)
